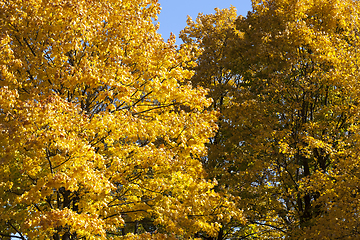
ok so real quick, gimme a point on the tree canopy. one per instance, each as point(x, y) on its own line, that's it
point(248, 130)
point(285, 80)
point(100, 130)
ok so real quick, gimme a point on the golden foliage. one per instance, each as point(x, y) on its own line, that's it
point(285, 80)
point(100, 130)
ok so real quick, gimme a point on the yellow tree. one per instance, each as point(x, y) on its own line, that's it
point(209, 38)
point(100, 131)
point(285, 80)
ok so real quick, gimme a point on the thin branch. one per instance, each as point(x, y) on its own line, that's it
point(268, 225)
point(27, 44)
point(21, 236)
point(48, 158)
point(10, 236)
point(163, 106)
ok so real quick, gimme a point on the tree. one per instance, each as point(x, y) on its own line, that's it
point(285, 80)
point(101, 133)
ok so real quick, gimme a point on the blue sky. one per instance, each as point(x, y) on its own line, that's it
point(174, 13)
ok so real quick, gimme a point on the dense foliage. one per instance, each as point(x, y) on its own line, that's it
point(285, 79)
point(100, 131)
point(108, 132)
